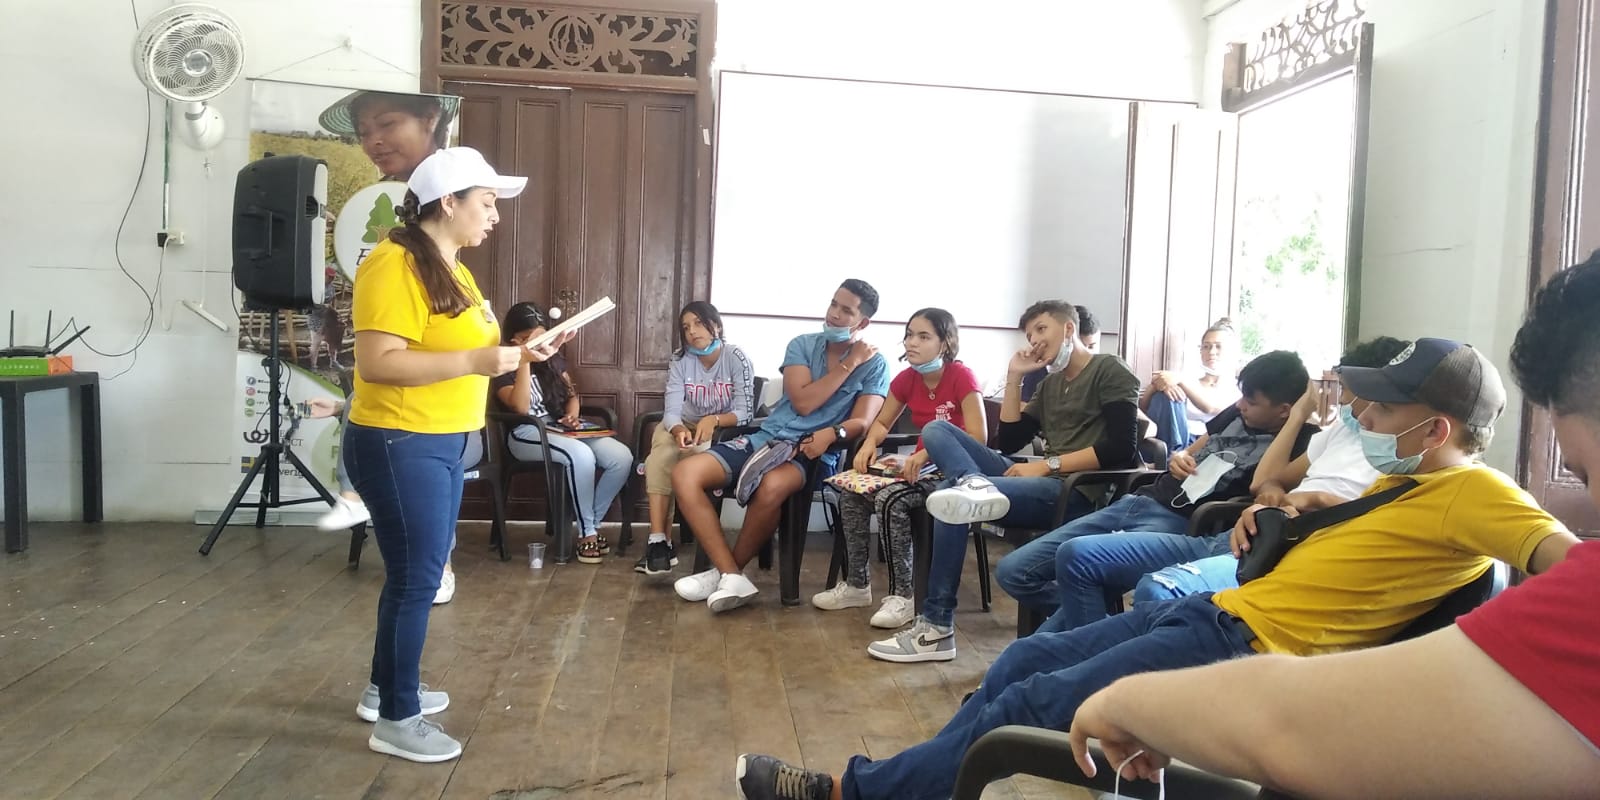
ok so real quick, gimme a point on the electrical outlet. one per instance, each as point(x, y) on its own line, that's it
point(174, 238)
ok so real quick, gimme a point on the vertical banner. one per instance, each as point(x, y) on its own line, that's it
point(371, 142)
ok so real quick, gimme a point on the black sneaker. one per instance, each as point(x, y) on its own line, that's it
point(639, 566)
point(659, 558)
point(767, 778)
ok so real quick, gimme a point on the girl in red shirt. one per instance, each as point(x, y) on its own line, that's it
point(934, 387)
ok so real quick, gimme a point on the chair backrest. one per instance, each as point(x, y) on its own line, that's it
point(1481, 590)
point(758, 390)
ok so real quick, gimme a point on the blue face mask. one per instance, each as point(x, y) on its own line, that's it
point(1347, 417)
point(834, 333)
point(707, 350)
point(1379, 448)
point(930, 367)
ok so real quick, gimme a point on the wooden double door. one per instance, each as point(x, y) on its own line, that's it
point(609, 211)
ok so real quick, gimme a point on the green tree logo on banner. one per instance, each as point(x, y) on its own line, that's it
point(381, 220)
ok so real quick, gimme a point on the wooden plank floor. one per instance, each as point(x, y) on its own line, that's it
point(132, 667)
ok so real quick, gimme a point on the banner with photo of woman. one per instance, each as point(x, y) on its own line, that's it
point(371, 142)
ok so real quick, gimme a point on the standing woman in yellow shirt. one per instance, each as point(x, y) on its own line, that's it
point(426, 346)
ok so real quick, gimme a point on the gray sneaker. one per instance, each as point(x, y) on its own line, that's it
point(923, 641)
point(414, 739)
point(431, 702)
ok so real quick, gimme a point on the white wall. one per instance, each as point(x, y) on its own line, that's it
point(1148, 49)
point(1450, 169)
point(73, 145)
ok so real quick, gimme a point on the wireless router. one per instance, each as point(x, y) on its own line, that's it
point(14, 350)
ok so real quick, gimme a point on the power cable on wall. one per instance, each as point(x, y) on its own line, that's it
point(116, 246)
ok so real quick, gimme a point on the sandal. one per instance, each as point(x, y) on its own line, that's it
point(589, 552)
point(602, 544)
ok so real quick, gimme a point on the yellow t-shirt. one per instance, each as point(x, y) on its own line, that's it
point(1358, 584)
point(389, 297)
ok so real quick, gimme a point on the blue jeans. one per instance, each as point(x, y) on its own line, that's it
point(1172, 426)
point(1033, 505)
point(1095, 567)
point(597, 468)
point(1211, 574)
point(1029, 573)
point(411, 483)
point(1041, 681)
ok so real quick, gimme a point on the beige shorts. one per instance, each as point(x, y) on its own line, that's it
point(664, 455)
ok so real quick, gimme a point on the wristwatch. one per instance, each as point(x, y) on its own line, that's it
point(1054, 463)
point(840, 433)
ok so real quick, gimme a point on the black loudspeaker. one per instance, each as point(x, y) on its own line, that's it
point(279, 232)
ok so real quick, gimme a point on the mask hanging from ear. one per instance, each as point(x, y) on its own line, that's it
point(835, 333)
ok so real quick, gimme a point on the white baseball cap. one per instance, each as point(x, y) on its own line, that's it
point(456, 168)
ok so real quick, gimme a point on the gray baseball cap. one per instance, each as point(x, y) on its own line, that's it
point(1449, 377)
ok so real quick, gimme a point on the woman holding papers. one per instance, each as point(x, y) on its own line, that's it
point(934, 387)
point(426, 346)
point(597, 466)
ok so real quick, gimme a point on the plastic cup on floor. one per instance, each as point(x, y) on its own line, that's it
point(536, 555)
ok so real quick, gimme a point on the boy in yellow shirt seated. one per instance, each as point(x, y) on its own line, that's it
point(1348, 586)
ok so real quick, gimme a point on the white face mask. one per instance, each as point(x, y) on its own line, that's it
point(1063, 357)
point(1205, 477)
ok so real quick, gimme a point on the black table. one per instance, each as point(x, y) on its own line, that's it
point(14, 429)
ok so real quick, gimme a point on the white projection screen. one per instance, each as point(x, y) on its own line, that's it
point(978, 201)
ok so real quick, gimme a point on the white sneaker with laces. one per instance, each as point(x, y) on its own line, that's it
point(973, 499)
point(447, 588)
point(699, 586)
point(923, 641)
point(733, 590)
point(346, 513)
point(842, 596)
point(895, 612)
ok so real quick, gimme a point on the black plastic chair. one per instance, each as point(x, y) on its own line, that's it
point(903, 435)
point(643, 428)
point(1013, 749)
point(560, 515)
point(1115, 483)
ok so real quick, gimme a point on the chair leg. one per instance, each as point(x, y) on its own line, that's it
point(498, 531)
point(1028, 620)
point(984, 590)
point(562, 535)
point(630, 506)
point(358, 538)
point(792, 540)
point(836, 565)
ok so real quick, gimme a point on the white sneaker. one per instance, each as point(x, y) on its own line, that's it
point(344, 514)
point(447, 588)
point(923, 641)
point(842, 596)
point(733, 590)
point(699, 586)
point(895, 612)
point(972, 499)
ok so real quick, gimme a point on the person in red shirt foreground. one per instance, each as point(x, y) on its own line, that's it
point(1505, 703)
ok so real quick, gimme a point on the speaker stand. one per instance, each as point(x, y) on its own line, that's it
point(269, 461)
